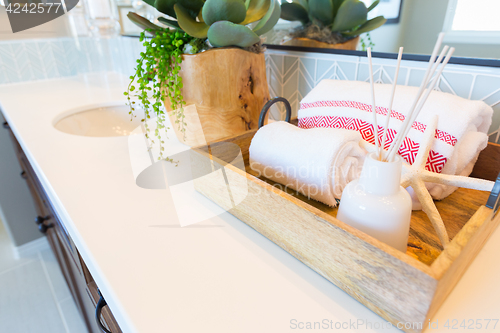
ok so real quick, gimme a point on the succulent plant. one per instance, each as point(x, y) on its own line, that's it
point(348, 17)
point(223, 22)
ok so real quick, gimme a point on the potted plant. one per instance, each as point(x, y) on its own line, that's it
point(206, 67)
point(333, 24)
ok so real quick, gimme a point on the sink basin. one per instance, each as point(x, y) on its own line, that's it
point(104, 120)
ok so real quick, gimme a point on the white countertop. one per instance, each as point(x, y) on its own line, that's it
point(215, 276)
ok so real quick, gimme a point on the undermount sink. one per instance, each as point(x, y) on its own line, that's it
point(105, 120)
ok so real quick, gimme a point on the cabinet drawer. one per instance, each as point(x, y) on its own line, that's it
point(76, 274)
point(41, 197)
point(107, 318)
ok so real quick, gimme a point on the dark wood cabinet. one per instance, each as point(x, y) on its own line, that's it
point(80, 282)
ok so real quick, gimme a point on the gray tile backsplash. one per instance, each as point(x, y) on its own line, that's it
point(41, 59)
point(293, 74)
point(290, 74)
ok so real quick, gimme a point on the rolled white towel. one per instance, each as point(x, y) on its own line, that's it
point(318, 162)
point(461, 133)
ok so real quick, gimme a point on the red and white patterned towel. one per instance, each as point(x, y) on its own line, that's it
point(460, 136)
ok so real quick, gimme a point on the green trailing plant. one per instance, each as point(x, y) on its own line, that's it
point(332, 20)
point(366, 42)
point(157, 77)
point(191, 24)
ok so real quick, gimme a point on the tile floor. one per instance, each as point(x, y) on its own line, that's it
point(34, 297)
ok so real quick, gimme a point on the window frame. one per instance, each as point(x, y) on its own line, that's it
point(466, 36)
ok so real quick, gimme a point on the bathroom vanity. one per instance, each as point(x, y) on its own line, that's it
point(112, 232)
point(78, 278)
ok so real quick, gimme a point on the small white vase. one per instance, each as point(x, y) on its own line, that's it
point(376, 203)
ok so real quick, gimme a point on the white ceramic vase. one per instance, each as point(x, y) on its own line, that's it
point(376, 203)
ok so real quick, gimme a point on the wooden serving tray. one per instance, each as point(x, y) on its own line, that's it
point(399, 287)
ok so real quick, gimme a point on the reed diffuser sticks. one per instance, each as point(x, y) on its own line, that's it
point(372, 90)
point(388, 117)
point(408, 121)
point(418, 103)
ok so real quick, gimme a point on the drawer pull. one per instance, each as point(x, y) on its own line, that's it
point(44, 227)
point(23, 175)
point(98, 309)
point(6, 125)
point(40, 219)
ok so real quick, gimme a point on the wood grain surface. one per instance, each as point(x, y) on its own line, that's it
point(423, 242)
point(351, 44)
point(488, 163)
point(452, 263)
point(224, 90)
point(375, 274)
point(400, 287)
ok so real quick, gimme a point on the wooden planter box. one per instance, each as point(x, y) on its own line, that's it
point(231, 77)
point(401, 288)
point(351, 44)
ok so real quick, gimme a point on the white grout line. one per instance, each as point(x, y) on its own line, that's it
point(315, 72)
point(53, 293)
point(408, 76)
point(338, 68)
point(63, 4)
point(17, 266)
point(307, 72)
point(356, 71)
point(491, 94)
point(66, 298)
point(271, 60)
point(326, 72)
point(472, 85)
point(291, 66)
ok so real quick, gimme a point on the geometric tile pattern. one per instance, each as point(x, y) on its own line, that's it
point(41, 59)
point(293, 74)
point(290, 74)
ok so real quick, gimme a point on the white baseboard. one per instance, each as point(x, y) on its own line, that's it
point(32, 248)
